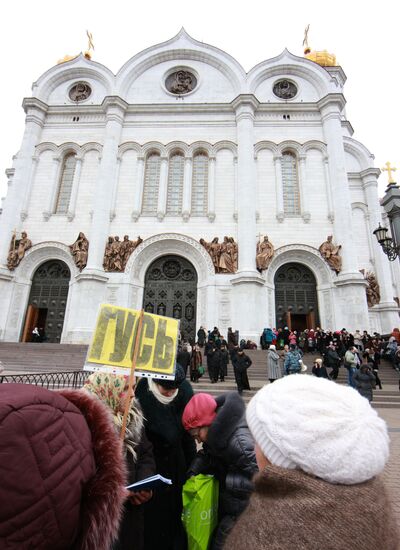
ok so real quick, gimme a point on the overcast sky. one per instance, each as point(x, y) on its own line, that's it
point(364, 37)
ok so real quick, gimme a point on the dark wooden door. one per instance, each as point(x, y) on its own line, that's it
point(171, 290)
point(49, 293)
point(296, 295)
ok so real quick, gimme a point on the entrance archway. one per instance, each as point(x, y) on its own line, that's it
point(47, 301)
point(296, 301)
point(171, 290)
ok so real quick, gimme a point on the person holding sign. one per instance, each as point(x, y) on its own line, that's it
point(163, 402)
point(113, 391)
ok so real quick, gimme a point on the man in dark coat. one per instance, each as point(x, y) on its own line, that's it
point(332, 360)
point(228, 454)
point(201, 336)
point(241, 362)
point(162, 404)
point(214, 363)
point(224, 356)
point(183, 358)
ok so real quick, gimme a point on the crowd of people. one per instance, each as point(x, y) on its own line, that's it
point(305, 448)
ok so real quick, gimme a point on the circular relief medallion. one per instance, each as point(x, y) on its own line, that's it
point(80, 91)
point(171, 269)
point(285, 89)
point(181, 82)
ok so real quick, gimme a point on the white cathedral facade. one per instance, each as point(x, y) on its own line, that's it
point(183, 145)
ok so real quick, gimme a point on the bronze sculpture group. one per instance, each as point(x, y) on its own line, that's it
point(117, 253)
point(224, 255)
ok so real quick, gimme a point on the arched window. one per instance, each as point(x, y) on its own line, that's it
point(290, 185)
point(200, 184)
point(176, 167)
point(151, 184)
point(65, 187)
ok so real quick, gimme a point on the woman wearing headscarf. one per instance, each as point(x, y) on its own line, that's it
point(163, 402)
point(274, 370)
point(113, 391)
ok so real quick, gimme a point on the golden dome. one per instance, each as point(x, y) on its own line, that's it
point(323, 58)
point(66, 58)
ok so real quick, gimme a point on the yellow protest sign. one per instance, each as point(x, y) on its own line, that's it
point(114, 337)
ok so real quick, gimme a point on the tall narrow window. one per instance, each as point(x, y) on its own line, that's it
point(176, 167)
point(290, 185)
point(200, 184)
point(151, 184)
point(65, 187)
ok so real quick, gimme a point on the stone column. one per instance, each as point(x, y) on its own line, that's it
point(387, 307)
point(187, 189)
point(35, 116)
point(331, 215)
point(343, 231)
point(280, 214)
point(75, 188)
point(55, 179)
point(249, 299)
point(162, 189)
point(350, 303)
point(114, 113)
point(115, 190)
point(138, 193)
point(235, 189)
point(305, 211)
point(27, 198)
point(211, 189)
point(247, 229)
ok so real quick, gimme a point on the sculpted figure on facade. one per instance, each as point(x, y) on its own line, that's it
point(182, 83)
point(107, 261)
point(330, 253)
point(372, 291)
point(265, 253)
point(79, 250)
point(17, 250)
point(117, 253)
point(127, 247)
point(224, 255)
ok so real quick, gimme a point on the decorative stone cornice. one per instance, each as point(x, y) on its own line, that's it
point(32, 103)
point(335, 101)
point(370, 176)
point(248, 100)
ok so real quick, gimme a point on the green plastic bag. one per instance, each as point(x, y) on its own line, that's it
point(200, 510)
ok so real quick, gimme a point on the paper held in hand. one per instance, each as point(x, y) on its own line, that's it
point(150, 483)
point(113, 343)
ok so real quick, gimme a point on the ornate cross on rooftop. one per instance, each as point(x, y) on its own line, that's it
point(389, 169)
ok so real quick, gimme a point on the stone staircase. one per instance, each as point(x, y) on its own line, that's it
point(38, 358)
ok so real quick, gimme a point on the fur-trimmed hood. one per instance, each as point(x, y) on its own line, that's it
point(230, 415)
point(63, 472)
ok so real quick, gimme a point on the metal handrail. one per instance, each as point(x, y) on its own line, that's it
point(48, 380)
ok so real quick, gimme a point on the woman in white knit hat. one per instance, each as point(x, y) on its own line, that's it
point(320, 448)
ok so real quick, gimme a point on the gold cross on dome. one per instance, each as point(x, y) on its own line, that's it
point(389, 169)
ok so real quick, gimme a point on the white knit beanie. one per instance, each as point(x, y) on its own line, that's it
point(320, 427)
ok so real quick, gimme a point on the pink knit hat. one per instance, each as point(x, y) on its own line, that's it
point(200, 411)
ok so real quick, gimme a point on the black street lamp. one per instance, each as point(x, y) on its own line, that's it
point(387, 244)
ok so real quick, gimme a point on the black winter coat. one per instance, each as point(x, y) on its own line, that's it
point(132, 525)
point(228, 455)
point(173, 450)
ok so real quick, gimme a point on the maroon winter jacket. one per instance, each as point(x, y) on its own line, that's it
point(61, 470)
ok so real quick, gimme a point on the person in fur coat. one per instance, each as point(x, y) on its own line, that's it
point(318, 485)
point(228, 453)
point(112, 390)
point(62, 474)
